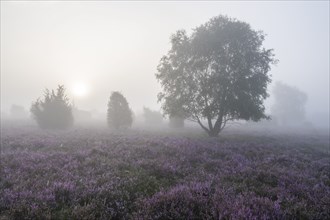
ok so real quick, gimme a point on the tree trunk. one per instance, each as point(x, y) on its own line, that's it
point(214, 132)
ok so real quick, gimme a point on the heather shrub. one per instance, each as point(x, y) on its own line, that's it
point(181, 202)
point(204, 201)
point(126, 176)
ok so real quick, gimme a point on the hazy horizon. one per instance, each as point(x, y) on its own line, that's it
point(94, 48)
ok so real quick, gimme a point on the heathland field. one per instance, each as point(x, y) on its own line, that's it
point(89, 173)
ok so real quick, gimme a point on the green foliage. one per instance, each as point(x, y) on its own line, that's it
point(119, 114)
point(55, 111)
point(219, 73)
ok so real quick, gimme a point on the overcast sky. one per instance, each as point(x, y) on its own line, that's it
point(116, 46)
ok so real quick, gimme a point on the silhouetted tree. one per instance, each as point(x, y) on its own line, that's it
point(54, 111)
point(219, 73)
point(119, 114)
point(152, 117)
point(289, 104)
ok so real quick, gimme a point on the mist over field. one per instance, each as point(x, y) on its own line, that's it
point(116, 46)
point(164, 110)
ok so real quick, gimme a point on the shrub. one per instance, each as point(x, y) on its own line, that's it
point(119, 114)
point(55, 111)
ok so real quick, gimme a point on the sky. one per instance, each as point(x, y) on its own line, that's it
point(96, 47)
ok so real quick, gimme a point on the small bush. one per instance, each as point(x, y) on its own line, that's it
point(54, 111)
point(119, 114)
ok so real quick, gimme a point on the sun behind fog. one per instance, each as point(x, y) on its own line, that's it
point(80, 89)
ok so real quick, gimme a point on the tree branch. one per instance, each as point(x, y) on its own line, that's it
point(209, 121)
point(225, 122)
point(190, 119)
point(200, 123)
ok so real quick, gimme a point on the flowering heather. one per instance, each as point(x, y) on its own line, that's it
point(97, 174)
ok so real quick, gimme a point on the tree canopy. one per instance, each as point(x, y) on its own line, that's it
point(54, 111)
point(119, 114)
point(218, 73)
